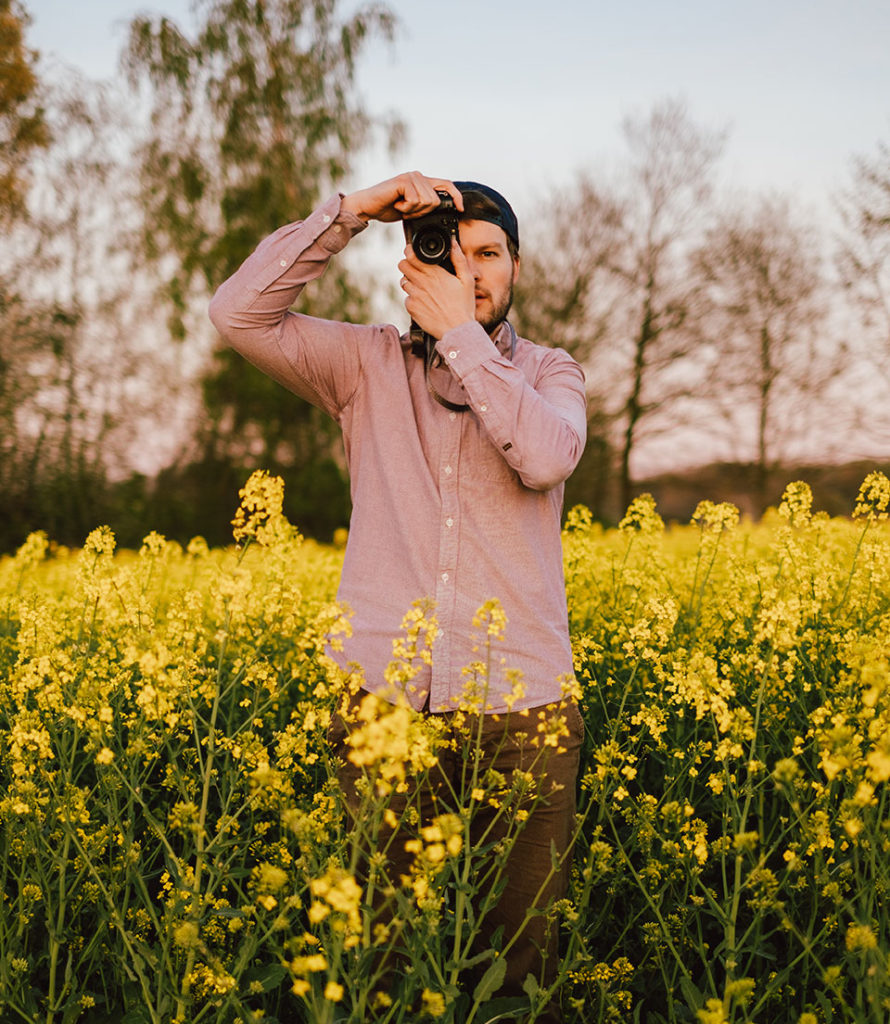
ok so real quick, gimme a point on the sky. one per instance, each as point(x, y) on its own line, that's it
point(525, 94)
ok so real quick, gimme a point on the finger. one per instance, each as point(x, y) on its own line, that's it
point(409, 263)
point(443, 185)
point(459, 261)
point(418, 195)
point(422, 194)
point(412, 270)
point(412, 265)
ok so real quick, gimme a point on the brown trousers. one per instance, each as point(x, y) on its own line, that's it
point(506, 746)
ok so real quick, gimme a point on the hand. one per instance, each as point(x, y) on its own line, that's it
point(437, 300)
point(407, 195)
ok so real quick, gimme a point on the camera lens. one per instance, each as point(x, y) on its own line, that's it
point(432, 245)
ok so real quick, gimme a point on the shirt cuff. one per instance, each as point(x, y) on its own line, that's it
point(466, 347)
point(335, 227)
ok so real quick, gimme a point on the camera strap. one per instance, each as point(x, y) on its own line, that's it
point(427, 350)
point(430, 358)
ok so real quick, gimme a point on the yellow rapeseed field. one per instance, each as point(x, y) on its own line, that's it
point(173, 844)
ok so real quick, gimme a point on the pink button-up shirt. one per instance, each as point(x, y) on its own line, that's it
point(458, 507)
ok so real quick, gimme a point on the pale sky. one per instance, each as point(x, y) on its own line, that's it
point(523, 94)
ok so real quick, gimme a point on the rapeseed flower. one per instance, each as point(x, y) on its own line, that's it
point(433, 1003)
point(873, 501)
point(164, 716)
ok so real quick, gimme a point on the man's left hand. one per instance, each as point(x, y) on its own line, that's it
point(437, 300)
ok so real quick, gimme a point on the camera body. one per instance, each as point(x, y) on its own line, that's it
point(430, 236)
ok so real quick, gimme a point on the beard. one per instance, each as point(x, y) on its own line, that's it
point(500, 307)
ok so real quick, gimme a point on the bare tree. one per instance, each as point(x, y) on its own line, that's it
point(864, 264)
point(670, 177)
point(765, 301)
point(865, 253)
point(612, 278)
point(561, 300)
point(72, 382)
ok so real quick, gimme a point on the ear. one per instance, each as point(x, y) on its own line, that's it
point(515, 269)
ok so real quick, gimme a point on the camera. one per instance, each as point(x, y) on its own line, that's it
point(430, 236)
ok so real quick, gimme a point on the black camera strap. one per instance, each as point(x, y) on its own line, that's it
point(426, 349)
point(430, 358)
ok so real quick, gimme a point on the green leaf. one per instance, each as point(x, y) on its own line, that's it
point(491, 980)
point(531, 987)
point(269, 976)
point(691, 994)
point(474, 961)
point(506, 1008)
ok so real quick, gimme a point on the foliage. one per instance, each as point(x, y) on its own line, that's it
point(254, 116)
point(172, 845)
point(22, 125)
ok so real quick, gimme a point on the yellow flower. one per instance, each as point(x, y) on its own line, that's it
point(343, 895)
point(860, 937)
point(642, 517)
point(797, 503)
point(100, 541)
point(186, 934)
point(708, 516)
point(712, 1013)
point(874, 497)
point(269, 877)
point(259, 516)
point(33, 550)
point(318, 912)
point(333, 992)
point(878, 759)
point(433, 1003)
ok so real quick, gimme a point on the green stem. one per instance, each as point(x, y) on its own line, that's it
point(54, 944)
point(200, 837)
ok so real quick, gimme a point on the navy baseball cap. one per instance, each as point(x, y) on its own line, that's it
point(504, 217)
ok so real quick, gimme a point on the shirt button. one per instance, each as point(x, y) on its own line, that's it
point(452, 415)
point(326, 219)
point(452, 354)
point(444, 577)
point(483, 408)
point(448, 471)
point(449, 522)
point(283, 263)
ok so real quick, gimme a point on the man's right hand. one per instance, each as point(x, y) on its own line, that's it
point(411, 194)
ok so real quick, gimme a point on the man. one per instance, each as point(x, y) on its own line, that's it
point(457, 464)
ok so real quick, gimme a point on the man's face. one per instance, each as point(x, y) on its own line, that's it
point(494, 270)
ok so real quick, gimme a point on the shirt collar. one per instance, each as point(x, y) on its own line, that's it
point(504, 339)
